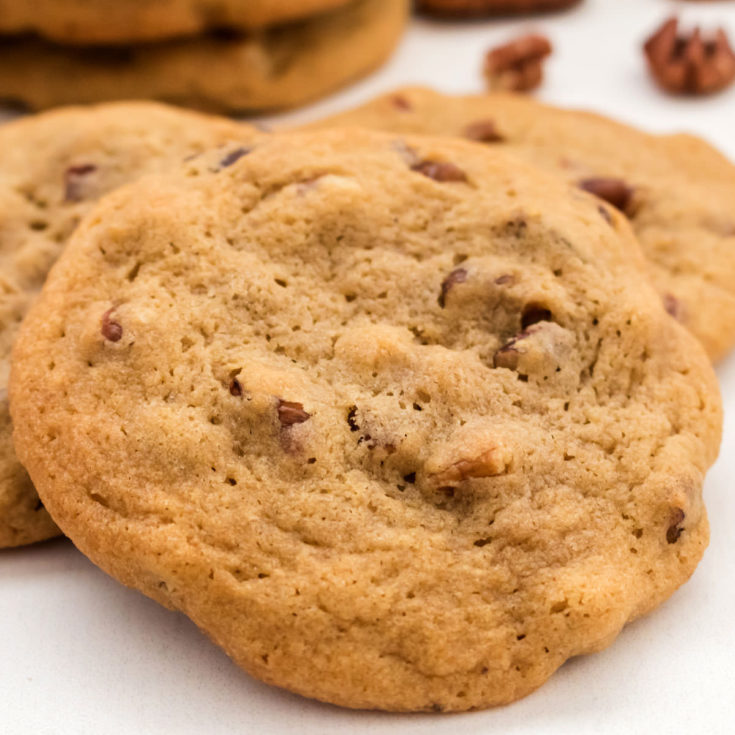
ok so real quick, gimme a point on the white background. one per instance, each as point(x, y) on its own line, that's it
point(80, 654)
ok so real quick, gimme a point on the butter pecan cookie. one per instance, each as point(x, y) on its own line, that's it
point(676, 190)
point(129, 21)
point(396, 421)
point(280, 67)
point(54, 168)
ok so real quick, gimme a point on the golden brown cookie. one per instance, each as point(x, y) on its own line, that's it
point(129, 21)
point(676, 190)
point(396, 421)
point(54, 168)
point(282, 67)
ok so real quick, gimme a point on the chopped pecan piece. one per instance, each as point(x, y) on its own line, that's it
point(540, 350)
point(673, 306)
point(507, 356)
point(401, 103)
point(74, 181)
point(441, 171)
point(613, 191)
point(234, 156)
point(456, 276)
point(477, 449)
point(492, 462)
point(690, 64)
point(483, 131)
point(290, 413)
point(518, 65)
point(675, 529)
point(111, 330)
point(352, 423)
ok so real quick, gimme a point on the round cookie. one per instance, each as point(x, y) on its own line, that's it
point(130, 21)
point(397, 422)
point(54, 167)
point(677, 190)
point(281, 67)
point(474, 8)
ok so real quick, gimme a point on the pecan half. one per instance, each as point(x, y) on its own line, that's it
point(689, 63)
point(518, 65)
point(613, 191)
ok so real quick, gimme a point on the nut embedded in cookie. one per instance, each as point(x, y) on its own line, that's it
point(474, 451)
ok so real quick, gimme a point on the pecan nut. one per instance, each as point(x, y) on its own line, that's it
point(690, 64)
point(518, 65)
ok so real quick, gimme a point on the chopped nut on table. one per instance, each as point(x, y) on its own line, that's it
point(690, 63)
point(518, 65)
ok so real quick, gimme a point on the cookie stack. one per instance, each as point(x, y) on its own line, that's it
point(402, 418)
point(225, 55)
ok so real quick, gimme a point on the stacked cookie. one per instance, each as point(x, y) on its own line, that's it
point(228, 55)
point(401, 421)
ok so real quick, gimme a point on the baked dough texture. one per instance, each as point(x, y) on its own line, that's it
point(281, 67)
point(397, 421)
point(677, 190)
point(55, 166)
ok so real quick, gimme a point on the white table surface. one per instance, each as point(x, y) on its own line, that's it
point(81, 654)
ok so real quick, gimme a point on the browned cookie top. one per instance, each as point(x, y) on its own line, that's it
point(676, 190)
point(396, 421)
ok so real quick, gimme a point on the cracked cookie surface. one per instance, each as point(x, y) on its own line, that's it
point(280, 67)
point(100, 21)
point(54, 167)
point(676, 190)
point(397, 422)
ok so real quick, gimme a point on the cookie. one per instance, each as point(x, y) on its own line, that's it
point(676, 190)
point(98, 21)
point(277, 68)
point(397, 422)
point(54, 167)
point(474, 8)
